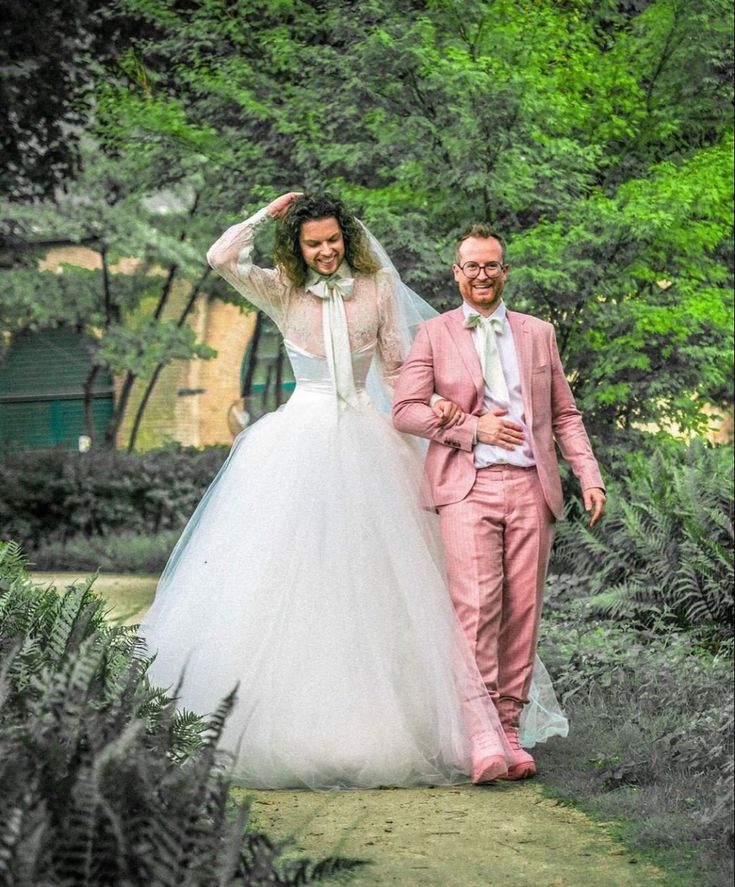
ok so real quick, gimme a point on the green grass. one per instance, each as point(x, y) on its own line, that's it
point(659, 820)
point(127, 596)
point(118, 553)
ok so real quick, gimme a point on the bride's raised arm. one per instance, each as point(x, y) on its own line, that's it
point(232, 257)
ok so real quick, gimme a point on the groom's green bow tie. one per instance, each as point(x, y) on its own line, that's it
point(490, 361)
point(488, 323)
point(324, 287)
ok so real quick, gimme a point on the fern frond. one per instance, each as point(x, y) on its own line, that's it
point(13, 564)
point(666, 543)
point(216, 721)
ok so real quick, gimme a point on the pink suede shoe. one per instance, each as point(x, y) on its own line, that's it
point(522, 765)
point(488, 769)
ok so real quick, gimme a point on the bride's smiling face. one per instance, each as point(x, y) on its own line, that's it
point(322, 245)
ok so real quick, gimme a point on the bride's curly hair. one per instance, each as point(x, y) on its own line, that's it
point(310, 208)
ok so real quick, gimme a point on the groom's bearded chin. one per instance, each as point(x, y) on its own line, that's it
point(489, 290)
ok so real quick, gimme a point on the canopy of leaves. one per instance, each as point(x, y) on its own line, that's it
point(596, 136)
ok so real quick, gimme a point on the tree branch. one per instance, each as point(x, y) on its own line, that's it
point(196, 289)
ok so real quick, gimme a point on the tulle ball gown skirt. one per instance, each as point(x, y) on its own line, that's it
point(310, 578)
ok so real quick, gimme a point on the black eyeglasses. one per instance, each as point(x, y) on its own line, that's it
point(472, 269)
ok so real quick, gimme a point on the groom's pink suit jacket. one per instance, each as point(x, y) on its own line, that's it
point(444, 360)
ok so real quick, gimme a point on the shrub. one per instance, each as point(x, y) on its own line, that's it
point(665, 547)
point(651, 731)
point(104, 782)
point(124, 553)
point(54, 495)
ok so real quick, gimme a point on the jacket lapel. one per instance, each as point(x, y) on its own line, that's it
point(524, 351)
point(462, 338)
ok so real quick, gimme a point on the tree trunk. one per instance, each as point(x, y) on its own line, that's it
point(120, 407)
point(88, 417)
point(141, 407)
point(196, 289)
point(247, 382)
point(166, 291)
point(279, 373)
point(264, 394)
point(112, 312)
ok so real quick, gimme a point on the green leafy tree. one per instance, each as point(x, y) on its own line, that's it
point(51, 57)
point(639, 287)
point(594, 136)
point(600, 147)
point(129, 318)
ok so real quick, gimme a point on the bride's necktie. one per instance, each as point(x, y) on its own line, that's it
point(333, 290)
point(492, 369)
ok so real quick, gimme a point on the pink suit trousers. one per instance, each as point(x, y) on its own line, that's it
point(497, 542)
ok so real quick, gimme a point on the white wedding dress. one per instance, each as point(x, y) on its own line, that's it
point(310, 578)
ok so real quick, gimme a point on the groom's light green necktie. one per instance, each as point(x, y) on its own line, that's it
point(489, 328)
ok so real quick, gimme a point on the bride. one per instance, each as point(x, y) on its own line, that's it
point(309, 576)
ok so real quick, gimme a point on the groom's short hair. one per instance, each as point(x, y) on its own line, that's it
point(484, 231)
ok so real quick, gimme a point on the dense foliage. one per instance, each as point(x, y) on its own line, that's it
point(602, 148)
point(651, 738)
point(51, 57)
point(664, 553)
point(55, 495)
point(103, 782)
point(120, 552)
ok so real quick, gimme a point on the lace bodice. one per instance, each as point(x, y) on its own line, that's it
point(298, 313)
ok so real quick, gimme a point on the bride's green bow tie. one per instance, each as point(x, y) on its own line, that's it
point(324, 287)
point(477, 320)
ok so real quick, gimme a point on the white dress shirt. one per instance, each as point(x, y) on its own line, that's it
point(488, 454)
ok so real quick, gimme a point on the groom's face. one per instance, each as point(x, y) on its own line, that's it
point(322, 245)
point(483, 293)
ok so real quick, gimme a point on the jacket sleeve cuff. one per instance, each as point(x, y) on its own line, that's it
point(462, 436)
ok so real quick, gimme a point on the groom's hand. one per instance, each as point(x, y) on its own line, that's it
point(504, 433)
point(594, 501)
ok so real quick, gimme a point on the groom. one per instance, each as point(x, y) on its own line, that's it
point(494, 477)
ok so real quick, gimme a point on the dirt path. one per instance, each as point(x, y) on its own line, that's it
point(465, 836)
point(503, 834)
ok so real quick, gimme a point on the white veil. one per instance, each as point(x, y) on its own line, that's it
point(410, 311)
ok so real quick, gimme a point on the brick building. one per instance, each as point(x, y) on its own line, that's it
point(42, 375)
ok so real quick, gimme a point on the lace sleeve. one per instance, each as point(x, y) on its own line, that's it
point(231, 257)
point(390, 352)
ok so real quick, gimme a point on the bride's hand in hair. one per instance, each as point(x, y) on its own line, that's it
point(279, 206)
